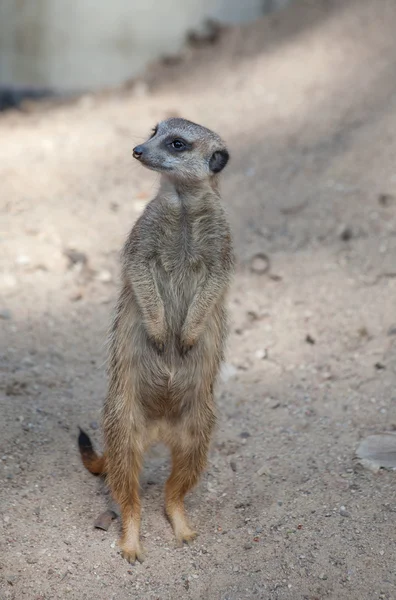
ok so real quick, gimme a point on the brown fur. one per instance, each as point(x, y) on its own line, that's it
point(169, 329)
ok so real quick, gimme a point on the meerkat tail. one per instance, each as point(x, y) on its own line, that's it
point(91, 461)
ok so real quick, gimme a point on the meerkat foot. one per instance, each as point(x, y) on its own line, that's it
point(186, 535)
point(181, 528)
point(132, 551)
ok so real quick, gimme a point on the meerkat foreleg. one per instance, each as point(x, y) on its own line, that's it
point(150, 302)
point(198, 312)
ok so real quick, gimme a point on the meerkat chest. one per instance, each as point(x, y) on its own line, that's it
point(188, 242)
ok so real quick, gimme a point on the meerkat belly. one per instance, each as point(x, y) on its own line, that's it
point(182, 271)
point(178, 289)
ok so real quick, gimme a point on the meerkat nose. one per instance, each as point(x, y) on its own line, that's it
point(137, 152)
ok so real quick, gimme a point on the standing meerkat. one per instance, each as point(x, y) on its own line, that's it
point(168, 334)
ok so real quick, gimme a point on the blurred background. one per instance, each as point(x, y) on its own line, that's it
point(88, 44)
point(304, 94)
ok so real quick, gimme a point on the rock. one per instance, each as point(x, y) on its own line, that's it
point(309, 339)
point(386, 199)
point(233, 465)
point(344, 512)
point(378, 451)
point(104, 276)
point(345, 233)
point(248, 546)
point(244, 435)
point(259, 263)
point(75, 257)
point(392, 330)
point(242, 504)
point(263, 471)
point(23, 260)
point(104, 520)
point(5, 314)
point(76, 297)
point(261, 354)
point(379, 366)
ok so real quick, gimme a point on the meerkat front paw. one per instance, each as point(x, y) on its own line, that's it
point(186, 344)
point(159, 345)
point(185, 349)
point(157, 340)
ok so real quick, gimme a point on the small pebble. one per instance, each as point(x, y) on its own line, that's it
point(344, 512)
point(345, 233)
point(259, 263)
point(233, 465)
point(242, 504)
point(23, 260)
point(75, 257)
point(76, 297)
point(263, 471)
point(104, 276)
point(379, 366)
point(248, 546)
point(386, 199)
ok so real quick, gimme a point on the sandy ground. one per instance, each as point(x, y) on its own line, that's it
point(307, 102)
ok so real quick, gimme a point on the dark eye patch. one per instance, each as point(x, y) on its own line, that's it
point(177, 144)
point(154, 132)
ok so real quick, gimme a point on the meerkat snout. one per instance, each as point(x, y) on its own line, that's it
point(183, 150)
point(137, 152)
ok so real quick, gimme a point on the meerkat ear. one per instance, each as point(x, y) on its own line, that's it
point(218, 160)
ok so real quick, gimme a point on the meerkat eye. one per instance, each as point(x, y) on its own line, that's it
point(154, 131)
point(178, 144)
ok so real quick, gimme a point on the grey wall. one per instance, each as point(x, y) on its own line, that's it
point(73, 44)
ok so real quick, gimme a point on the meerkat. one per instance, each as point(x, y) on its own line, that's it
point(169, 330)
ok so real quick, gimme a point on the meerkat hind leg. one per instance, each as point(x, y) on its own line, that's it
point(125, 489)
point(131, 548)
point(187, 466)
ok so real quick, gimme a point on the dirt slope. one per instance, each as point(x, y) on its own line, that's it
point(307, 102)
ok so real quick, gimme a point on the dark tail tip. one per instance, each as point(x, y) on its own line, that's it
point(91, 461)
point(84, 443)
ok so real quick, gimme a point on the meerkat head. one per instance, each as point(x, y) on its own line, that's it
point(183, 150)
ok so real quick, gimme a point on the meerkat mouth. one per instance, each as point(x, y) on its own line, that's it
point(153, 166)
